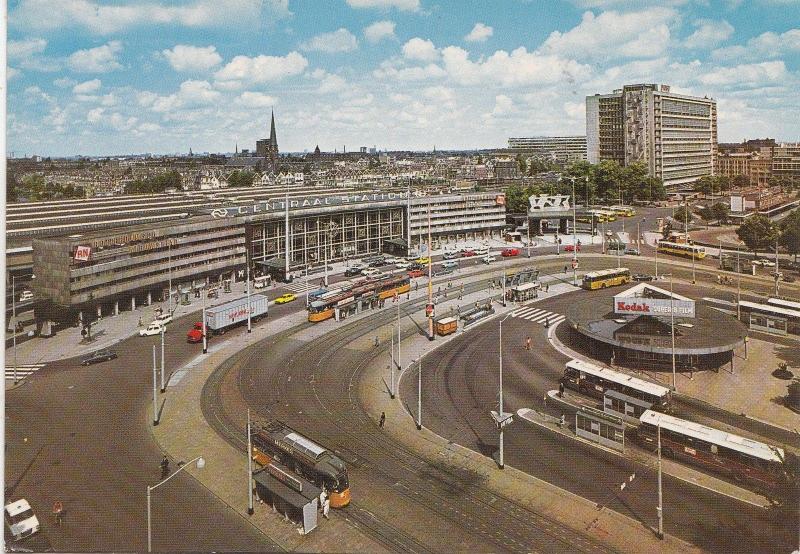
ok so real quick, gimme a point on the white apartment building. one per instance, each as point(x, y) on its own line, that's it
point(673, 134)
point(565, 149)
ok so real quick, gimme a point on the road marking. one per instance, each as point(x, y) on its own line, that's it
point(538, 315)
point(23, 370)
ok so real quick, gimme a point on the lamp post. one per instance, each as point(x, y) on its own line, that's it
point(574, 237)
point(169, 275)
point(500, 418)
point(249, 468)
point(205, 339)
point(155, 390)
point(200, 465)
point(419, 393)
point(249, 309)
point(399, 364)
point(777, 267)
point(672, 330)
point(163, 369)
point(738, 284)
point(14, 321)
point(660, 508)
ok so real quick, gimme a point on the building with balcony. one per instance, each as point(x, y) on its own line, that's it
point(560, 149)
point(674, 135)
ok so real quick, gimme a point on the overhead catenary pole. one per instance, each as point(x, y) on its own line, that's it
point(249, 308)
point(163, 369)
point(169, 276)
point(501, 413)
point(14, 322)
point(574, 236)
point(205, 339)
point(672, 330)
point(430, 277)
point(660, 508)
point(738, 285)
point(286, 233)
point(419, 394)
point(249, 468)
point(155, 390)
point(777, 268)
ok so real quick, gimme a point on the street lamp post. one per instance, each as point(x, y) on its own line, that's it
point(501, 419)
point(205, 339)
point(777, 268)
point(249, 468)
point(574, 237)
point(419, 393)
point(738, 285)
point(672, 330)
point(660, 508)
point(14, 321)
point(155, 390)
point(169, 276)
point(163, 369)
point(200, 465)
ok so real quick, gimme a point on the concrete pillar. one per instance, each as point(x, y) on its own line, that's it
point(80, 317)
point(116, 307)
point(133, 303)
point(149, 298)
point(99, 312)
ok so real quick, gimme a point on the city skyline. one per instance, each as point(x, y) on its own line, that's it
point(397, 74)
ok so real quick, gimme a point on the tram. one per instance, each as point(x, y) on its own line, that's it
point(683, 250)
point(275, 440)
point(375, 289)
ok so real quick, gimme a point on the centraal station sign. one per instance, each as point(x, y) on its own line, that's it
point(279, 204)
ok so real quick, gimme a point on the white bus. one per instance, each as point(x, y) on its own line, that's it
point(593, 380)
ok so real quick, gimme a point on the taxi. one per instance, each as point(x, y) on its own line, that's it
point(284, 298)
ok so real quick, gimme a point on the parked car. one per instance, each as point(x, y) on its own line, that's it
point(152, 329)
point(508, 252)
point(402, 264)
point(451, 255)
point(489, 259)
point(103, 355)
point(415, 273)
point(423, 260)
point(195, 334)
point(372, 272)
point(285, 298)
point(377, 262)
point(763, 262)
point(414, 265)
point(354, 270)
point(632, 251)
point(481, 251)
point(468, 253)
point(20, 519)
point(25, 296)
point(571, 248)
point(163, 319)
point(642, 277)
point(450, 264)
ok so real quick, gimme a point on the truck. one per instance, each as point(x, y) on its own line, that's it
point(225, 316)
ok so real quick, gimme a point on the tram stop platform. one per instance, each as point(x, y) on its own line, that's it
point(289, 494)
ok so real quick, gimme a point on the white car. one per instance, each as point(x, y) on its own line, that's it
point(402, 264)
point(25, 296)
point(489, 259)
point(163, 319)
point(481, 251)
point(20, 519)
point(152, 329)
point(372, 273)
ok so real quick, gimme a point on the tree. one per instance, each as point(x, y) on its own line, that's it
point(682, 214)
point(522, 163)
point(758, 232)
point(704, 184)
point(740, 181)
point(517, 197)
point(721, 210)
point(790, 233)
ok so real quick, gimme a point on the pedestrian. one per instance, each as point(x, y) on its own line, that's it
point(376, 341)
point(416, 286)
point(528, 343)
point(562, 421)
point(58, 512)
point(408, 296)
point(547, 287)
point(323, 496)
point(460, 296)
point(140, 321)
point(561, 389)
point(565, 269)
point(458, 310)
point(547, 322)
point(164, 467)
point(326, 506)
point(383, 420)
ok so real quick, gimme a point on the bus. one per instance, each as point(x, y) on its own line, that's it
point(276, 441)
point(743, 459)
point(624, 211)
point(606, 278)
point(382, 288)
point(684, 250)
point(603, 216)
point(593, 380)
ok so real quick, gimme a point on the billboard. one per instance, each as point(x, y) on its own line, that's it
point(653, 306)
point(82, 253)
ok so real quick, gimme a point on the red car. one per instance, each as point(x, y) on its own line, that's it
point(571, 248)
point(415, 273)
point(468, 253)
point(508, 252)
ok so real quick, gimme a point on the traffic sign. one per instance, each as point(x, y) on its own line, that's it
point(574, 263)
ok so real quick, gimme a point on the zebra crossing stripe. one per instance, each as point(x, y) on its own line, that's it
point(541, 317)
point(23, 370)
point(528, 311)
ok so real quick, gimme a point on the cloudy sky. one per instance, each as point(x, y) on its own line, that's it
point(89, 77)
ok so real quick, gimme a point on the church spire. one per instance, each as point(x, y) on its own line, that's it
point(272, 137)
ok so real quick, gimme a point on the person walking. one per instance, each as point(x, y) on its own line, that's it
point(326, 507)
point(565, 269)
point(547, 322)
point(561, 389)
point(323, 496)
point(58, 512)
point(164, 467)
point(376, 341)
point(528, 343)
point(382, 420)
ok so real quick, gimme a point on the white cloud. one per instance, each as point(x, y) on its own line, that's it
point(87, 87)
point(420, 50)
point(260, 69)
point(641, 34)
point(184, 57)
point(518, 68)
point(709, 34)
point(255, 100)
point(101, 18)
point(388, 70)
point(191, 94)
point(96, 60)
point(16, 49)
point(340, 40)
point(95, 115)
point(479, 33)
point(403, 5)
point(379, 30)
point(12, 73)
point(64, 82)
point(331, 83)
point(766, 45)
point(503, 105)
point(757, 73)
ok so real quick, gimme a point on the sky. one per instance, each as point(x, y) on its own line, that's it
point(163, 76)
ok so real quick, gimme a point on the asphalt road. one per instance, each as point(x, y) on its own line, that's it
point(80, 435)
point(460, 384)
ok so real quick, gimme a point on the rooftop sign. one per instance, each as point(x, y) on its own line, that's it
point(279, 204)
point(646, 299)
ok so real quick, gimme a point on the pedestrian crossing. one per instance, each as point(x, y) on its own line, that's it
point(23, 370)
point(538, 315)
point(299, 287)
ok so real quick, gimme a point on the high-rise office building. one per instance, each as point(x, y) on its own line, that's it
point(567, 149)
point(674, 135)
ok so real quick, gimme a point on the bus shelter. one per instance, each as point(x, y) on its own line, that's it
point(600, 427)
point(527, 291)
point(289, 494)
point(627, 407)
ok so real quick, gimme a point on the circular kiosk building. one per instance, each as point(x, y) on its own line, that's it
point(635, 329)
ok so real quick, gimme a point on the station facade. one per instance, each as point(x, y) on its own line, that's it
point(99, 273)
